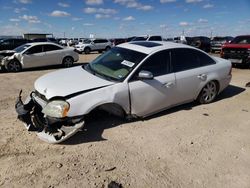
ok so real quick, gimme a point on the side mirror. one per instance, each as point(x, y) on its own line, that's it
point(92, 43)
point(145, 75)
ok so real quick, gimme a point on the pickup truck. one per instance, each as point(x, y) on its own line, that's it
point(238, 50)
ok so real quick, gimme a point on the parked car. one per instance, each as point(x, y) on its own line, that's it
point(238, 50)
point(148, 38)
point(133, 79)
point(44, 40)
point(201, 42)
point(91, 45)
point(183, 40)
point(118, 41)
point(217, 42)
point(11, 43)
point(39, 54)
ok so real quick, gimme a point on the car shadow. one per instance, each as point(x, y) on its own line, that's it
point(98, 121)
point(95, 124)
point(51, 67)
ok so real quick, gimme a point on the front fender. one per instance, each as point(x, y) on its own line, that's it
point(84, 103)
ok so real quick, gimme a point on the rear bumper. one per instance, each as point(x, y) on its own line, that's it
point(225, 82)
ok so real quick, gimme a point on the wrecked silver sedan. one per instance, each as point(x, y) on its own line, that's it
point(134, 79)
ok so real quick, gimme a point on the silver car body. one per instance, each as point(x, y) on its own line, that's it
point(85, 91)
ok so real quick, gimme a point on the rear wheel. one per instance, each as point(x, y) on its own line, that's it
point(87, 50)
point(68, 61)
point(107, 48)
point(14, 66)
point(208, 93)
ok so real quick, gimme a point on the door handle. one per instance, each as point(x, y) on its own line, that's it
point(203, 77)
point(168, 84)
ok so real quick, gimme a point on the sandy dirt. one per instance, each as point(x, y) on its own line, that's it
point(188, 146)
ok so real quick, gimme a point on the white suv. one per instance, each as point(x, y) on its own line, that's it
point(93, 45)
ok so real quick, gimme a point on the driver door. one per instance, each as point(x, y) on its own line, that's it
point(149, 96)
point(34, 57)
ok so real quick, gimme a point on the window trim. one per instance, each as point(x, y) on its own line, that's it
point(196, 50)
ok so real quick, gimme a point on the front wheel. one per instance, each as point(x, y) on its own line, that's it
point(107, 48)
point(208, 93)
point(68, 62)
point(14, 66)
point(87, 50)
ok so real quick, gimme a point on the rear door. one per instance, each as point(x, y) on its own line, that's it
point(150, 96)
point(53, 54)
point(191, 71)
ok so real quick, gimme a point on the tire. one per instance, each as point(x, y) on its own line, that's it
point(107, 48)
point(14, 66)
point(87, 50)
point(68, 61)
point(208, 93)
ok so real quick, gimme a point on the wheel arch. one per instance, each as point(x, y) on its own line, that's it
point(217, 87)
point(111, 107)
point(14, 59)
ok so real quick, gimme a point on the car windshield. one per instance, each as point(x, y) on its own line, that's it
point(116, 63)
point(21, 48)
point(241, 40)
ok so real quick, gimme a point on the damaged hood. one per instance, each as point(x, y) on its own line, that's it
point(68, 82)
point(5, 53)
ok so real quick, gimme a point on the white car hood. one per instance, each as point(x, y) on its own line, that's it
point(67, 82)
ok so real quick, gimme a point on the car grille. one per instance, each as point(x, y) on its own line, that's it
point(235, 53)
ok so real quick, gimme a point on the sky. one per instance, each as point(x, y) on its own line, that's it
point(124, 18)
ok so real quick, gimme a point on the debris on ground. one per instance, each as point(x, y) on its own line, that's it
point(114, 184)
point(110, 169)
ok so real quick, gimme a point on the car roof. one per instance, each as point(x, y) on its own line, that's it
point(148, 47)
point(41, 43)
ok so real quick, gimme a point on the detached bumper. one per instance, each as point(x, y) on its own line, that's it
point(48, 129)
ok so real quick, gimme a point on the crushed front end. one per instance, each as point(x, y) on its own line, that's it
point(39, 115)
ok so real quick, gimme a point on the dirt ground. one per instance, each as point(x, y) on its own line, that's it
point(188, 146)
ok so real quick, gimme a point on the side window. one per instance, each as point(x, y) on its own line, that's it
point(155, 38)
point(204, 59)
point(35, 50)
point(184, 59)
point(158, 64)
point(96, 41)
point(51, 47)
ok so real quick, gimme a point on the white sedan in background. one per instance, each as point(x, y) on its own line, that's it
point(134, 79)
point(39, 54)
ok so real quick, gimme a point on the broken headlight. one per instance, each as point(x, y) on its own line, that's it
point(56, 109)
